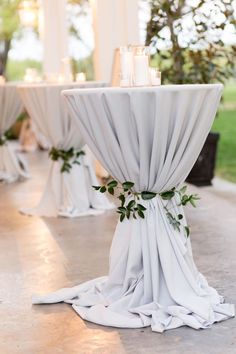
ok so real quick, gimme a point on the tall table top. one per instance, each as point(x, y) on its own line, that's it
point(63, 85)
point(46, 107)
point(135, 124)
point(161, 88)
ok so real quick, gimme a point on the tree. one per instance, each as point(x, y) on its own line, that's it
point(76, 8)
point(188, 39)
point(9, 25)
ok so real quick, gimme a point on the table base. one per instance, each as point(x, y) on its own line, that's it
point(13, 167)
point(152, 281)
point(70, 194)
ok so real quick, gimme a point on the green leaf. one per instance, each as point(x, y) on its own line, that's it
point(141, 214)
point(184, 199)
point(127, 185)
point(187, 230)
point(141, 207)
point(96, 187)
point(131, 204)
point(80, 153)
point(180, 216)
point(148, 195)
point(112, 184)
point(167, 195)
point(192, 202)
point(103, 189)
point(111, 190)
point(122, 209)
point(183, 189)
point(76, 162)
point(196, 197)
point(122, 217)
point(128, 214)
point(122, 199)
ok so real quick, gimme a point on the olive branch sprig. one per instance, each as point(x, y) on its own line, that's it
point(134, 208)
point(69, 157)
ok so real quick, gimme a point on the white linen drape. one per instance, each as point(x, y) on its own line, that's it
point(66, 194)
point(151, 136)
point(12, 165)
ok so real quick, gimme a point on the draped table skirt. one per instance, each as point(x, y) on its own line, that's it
point(153, 137)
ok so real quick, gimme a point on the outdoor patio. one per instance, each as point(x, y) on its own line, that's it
point(42, 255)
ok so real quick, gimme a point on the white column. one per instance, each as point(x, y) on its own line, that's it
point(54, 34)
point(115, 23)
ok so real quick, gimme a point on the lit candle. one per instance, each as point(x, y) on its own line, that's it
point(61, 78)
point(141, 68)
point(80, 77)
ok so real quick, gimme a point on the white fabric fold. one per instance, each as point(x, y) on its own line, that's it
point(68, 194)
point(12, 165)
point(151, 136)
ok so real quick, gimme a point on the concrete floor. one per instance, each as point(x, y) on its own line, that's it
point(40, 255)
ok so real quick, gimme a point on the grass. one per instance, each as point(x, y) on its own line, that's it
point(225, 124)
point(16, 69)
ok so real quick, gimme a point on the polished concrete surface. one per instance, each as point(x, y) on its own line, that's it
point(40, 255)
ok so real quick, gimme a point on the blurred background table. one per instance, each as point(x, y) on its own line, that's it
point(67, 193)
point(12, 164)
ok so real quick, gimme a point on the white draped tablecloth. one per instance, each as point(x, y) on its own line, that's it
point(12, 165)
point(67, 194)
point(152, 137)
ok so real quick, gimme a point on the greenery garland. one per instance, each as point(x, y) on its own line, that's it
point(69, 157)
point(134, 208)
point(3, 140)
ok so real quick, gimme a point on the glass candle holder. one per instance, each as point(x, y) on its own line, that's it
point(141, 59)
point(155, 76)
point(126, 66)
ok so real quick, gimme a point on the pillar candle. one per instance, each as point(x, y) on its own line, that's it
point(141, 70)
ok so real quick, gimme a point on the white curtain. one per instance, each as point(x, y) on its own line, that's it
point(151, 136)
point(66, 194)
point(12, 165)
point(54, 33)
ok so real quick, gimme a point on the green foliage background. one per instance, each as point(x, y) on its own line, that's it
point(225, 123)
